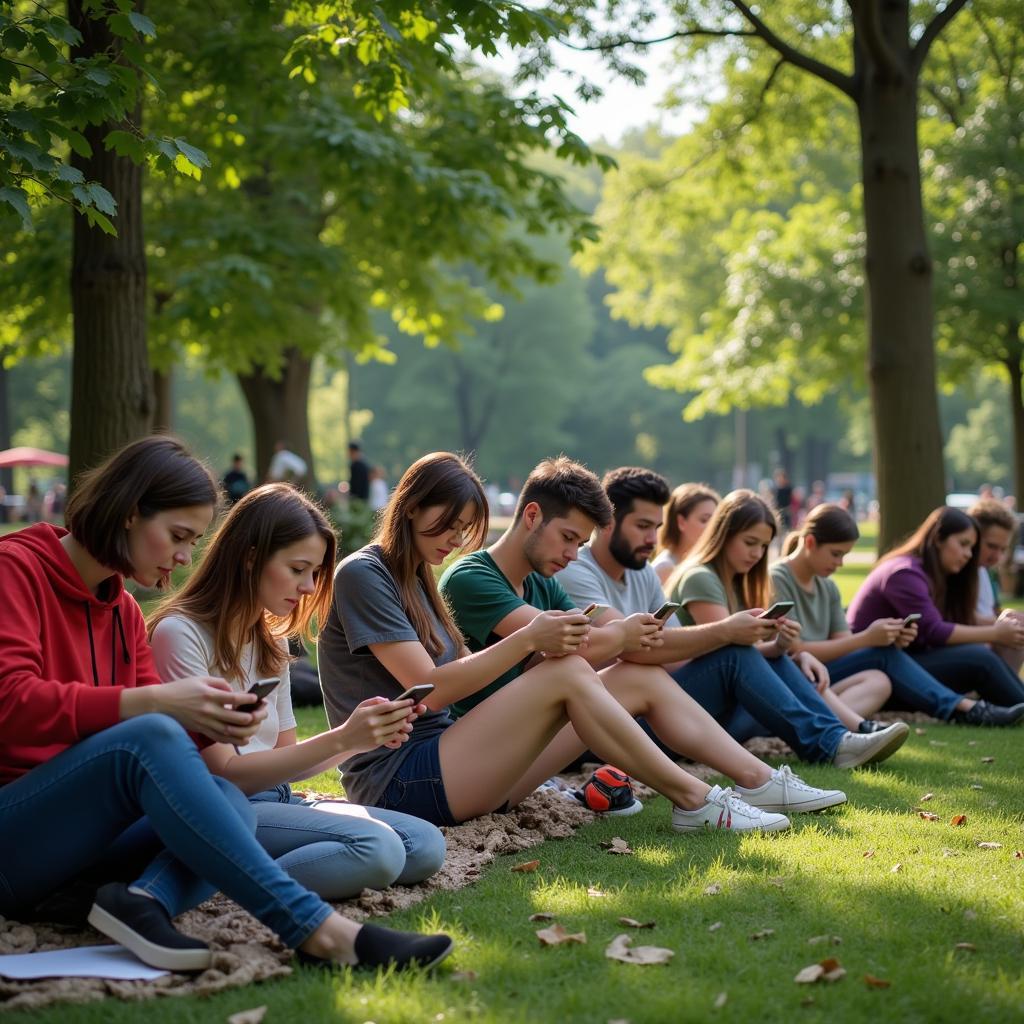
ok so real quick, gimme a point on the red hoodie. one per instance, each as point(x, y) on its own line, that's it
point(65, 655)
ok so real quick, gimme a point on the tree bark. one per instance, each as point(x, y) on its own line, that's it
point(1016, 374)
point(163, 401)
point(280, 411)
point(111, 387)
point(901, 354)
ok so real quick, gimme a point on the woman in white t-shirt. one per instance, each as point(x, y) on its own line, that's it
point(687, 513)
point(265, 576)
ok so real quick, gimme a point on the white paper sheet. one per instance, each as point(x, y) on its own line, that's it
point(83, 962)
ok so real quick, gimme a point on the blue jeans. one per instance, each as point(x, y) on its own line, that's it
point(337, 849)
point(912, 686)
point(87, 804)
point(417, 787)
point(750, 695)
point(964, 667)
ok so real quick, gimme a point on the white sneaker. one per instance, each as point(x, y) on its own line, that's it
point(787, 792)
point(724, 809)
point(864, 748)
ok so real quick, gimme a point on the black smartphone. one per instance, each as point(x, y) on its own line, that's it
point(416, 693)
point(261, 689)
point(777, 610)
point(667, 609)
point(911, 619)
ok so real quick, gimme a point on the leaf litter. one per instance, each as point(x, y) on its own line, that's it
point(621, 948)
point(617, 845)
point(557, 935)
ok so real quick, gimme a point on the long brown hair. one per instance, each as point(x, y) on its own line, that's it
point(956, 594)
point(223, 592)
point(441, 480)
point(737, 511)
point(683, 500)
point(827, 524)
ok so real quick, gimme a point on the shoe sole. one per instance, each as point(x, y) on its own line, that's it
point(623, 812)
point(895, 741)
point(775, 826)
point(820, 804)
point(149, 952)
point(443, 955)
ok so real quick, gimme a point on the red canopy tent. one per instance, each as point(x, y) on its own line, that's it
point(30, 457)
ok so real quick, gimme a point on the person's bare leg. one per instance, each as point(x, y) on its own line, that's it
point(864, 692)
point(334, 940)
point(488, 752)
point(648, 691)
point(838, 706)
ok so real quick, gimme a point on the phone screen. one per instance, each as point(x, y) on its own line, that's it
point(262, 689)
point(777, 610)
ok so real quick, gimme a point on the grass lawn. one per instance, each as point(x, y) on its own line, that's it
point(901, 924)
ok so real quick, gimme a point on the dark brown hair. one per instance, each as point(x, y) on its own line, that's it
point(154, 474)
point(631, 483)
point(223, 592)
point(560, 485)
point(956, 595)
point(683, 500)
point(988, 512)
point(737, 511)
point(439, 479)
point(827, 524)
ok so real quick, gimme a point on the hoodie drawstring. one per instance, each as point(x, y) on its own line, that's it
point(117, 621)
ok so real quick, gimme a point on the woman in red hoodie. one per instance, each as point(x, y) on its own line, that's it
point(99, 778)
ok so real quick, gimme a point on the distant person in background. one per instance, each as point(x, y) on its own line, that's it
point(986, 492)
point(58, 497)
point(817, 495)
point(286, 466)
point(379, 491)
point(848, 503)
point(359, 473)
point(783, 498)
point(686, 514)
point(33, 503)
point(236, 484)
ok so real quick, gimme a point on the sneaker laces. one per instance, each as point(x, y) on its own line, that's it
point(790, 780)
point(731, 802)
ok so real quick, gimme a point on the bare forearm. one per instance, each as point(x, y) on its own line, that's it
point(829, 650)
point(473, 672)
point(682, 644)
point(264, 769)
point(140, 700)
point(973, 635)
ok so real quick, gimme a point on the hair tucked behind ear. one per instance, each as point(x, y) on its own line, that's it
point(827, 524)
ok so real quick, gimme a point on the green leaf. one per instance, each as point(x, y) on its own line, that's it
point(126, 144)
point(102, 199)
point(193, 155)
point(142, 24)
point(65, 172)
point(96, 219)
point(16, 197)
point(99, 76)
point(167, 149)
point(24, 120)
point(77, 141)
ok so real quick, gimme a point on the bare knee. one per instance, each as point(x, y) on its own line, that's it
point(879, 684)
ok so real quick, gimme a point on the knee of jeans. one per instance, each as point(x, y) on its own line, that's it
point(425, 851)
point(239, 802)
point(156, 731)
point(382, 858)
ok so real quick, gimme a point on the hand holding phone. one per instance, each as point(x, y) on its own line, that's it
point(667, 609)
point(911, 619)
point(593, 610)
point(261, 688)
point(777, 610)
point(417, 693)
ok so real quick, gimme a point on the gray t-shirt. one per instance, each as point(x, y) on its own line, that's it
point(367, 609)
point(820, 612)
point(586, 583)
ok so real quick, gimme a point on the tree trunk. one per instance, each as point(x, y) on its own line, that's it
point(111, 387)
point(1016, 374)
point(163, 401)
point(6, 475)
point(280, 411)
point(901, 360)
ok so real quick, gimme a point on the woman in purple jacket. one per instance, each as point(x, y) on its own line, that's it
point(934, 574)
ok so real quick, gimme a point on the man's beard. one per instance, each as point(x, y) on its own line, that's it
point(530, 554)
point(623, 553)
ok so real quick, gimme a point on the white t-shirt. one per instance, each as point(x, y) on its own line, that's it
point(664, 558)
point(285, 464)
point(986, 608)
point(378, 493)
point(182, 647)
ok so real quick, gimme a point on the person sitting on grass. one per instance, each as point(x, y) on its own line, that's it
point(934, 574)
point(715, 664)
point(264, 577)
point(103, 793)
point(814, 553)
point(728, 571)
point(997, 526)
point(687, 513)
point(390, 628)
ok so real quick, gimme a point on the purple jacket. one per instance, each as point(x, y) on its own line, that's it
point(894, 589)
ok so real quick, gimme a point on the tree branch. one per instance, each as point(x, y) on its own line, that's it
point(865, 18)
point(612, 44)
point(827, 73)
point(951, 112)
point(933, 31)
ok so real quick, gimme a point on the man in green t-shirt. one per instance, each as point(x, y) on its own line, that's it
point(495, 592)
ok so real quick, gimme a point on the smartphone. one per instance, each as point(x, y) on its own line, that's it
point(416, 693)
point(911, 619)
point(593, 610)
point(667, 609)
point(261, 688)
point(777, 610)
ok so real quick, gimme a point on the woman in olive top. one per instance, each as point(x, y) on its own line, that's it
point(856, 660)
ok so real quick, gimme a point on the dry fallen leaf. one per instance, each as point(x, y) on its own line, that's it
point(809, 974)
point(968, 947)
point(919, 731)
point(527, 866)
point(556, 935)
point(975, 785)
point(466, 976)
point(835, 974)
point(1018, 854)
point(830, 963)
point(869, 853)
point(990, 846)
point(828, 940)
point(987, 760)
point(938, 743)
point(595, 893)
point(542, 917)
point(947, 852)
point(631, 922)
point(927, 797)
point(764, 933)
point(972, 743)
point(720, 1000)
point(621, 948)
point(617, 845)
point(928, 816)
point(896, 868)
point(713, 889)
point(714, 927)
point(957, 820)
point(253, 1016)
point(872, 982)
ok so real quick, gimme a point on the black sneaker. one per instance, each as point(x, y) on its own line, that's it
point(869, 725)
point(385, 947)
point(143, 926)
point(987, 714)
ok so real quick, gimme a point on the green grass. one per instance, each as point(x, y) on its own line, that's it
point(815, 880)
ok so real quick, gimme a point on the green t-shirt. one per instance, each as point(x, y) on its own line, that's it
point(820, 612)
point(700, 584)
point(480, 596)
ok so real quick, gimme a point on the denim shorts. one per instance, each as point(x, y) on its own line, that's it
point(417, 787)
